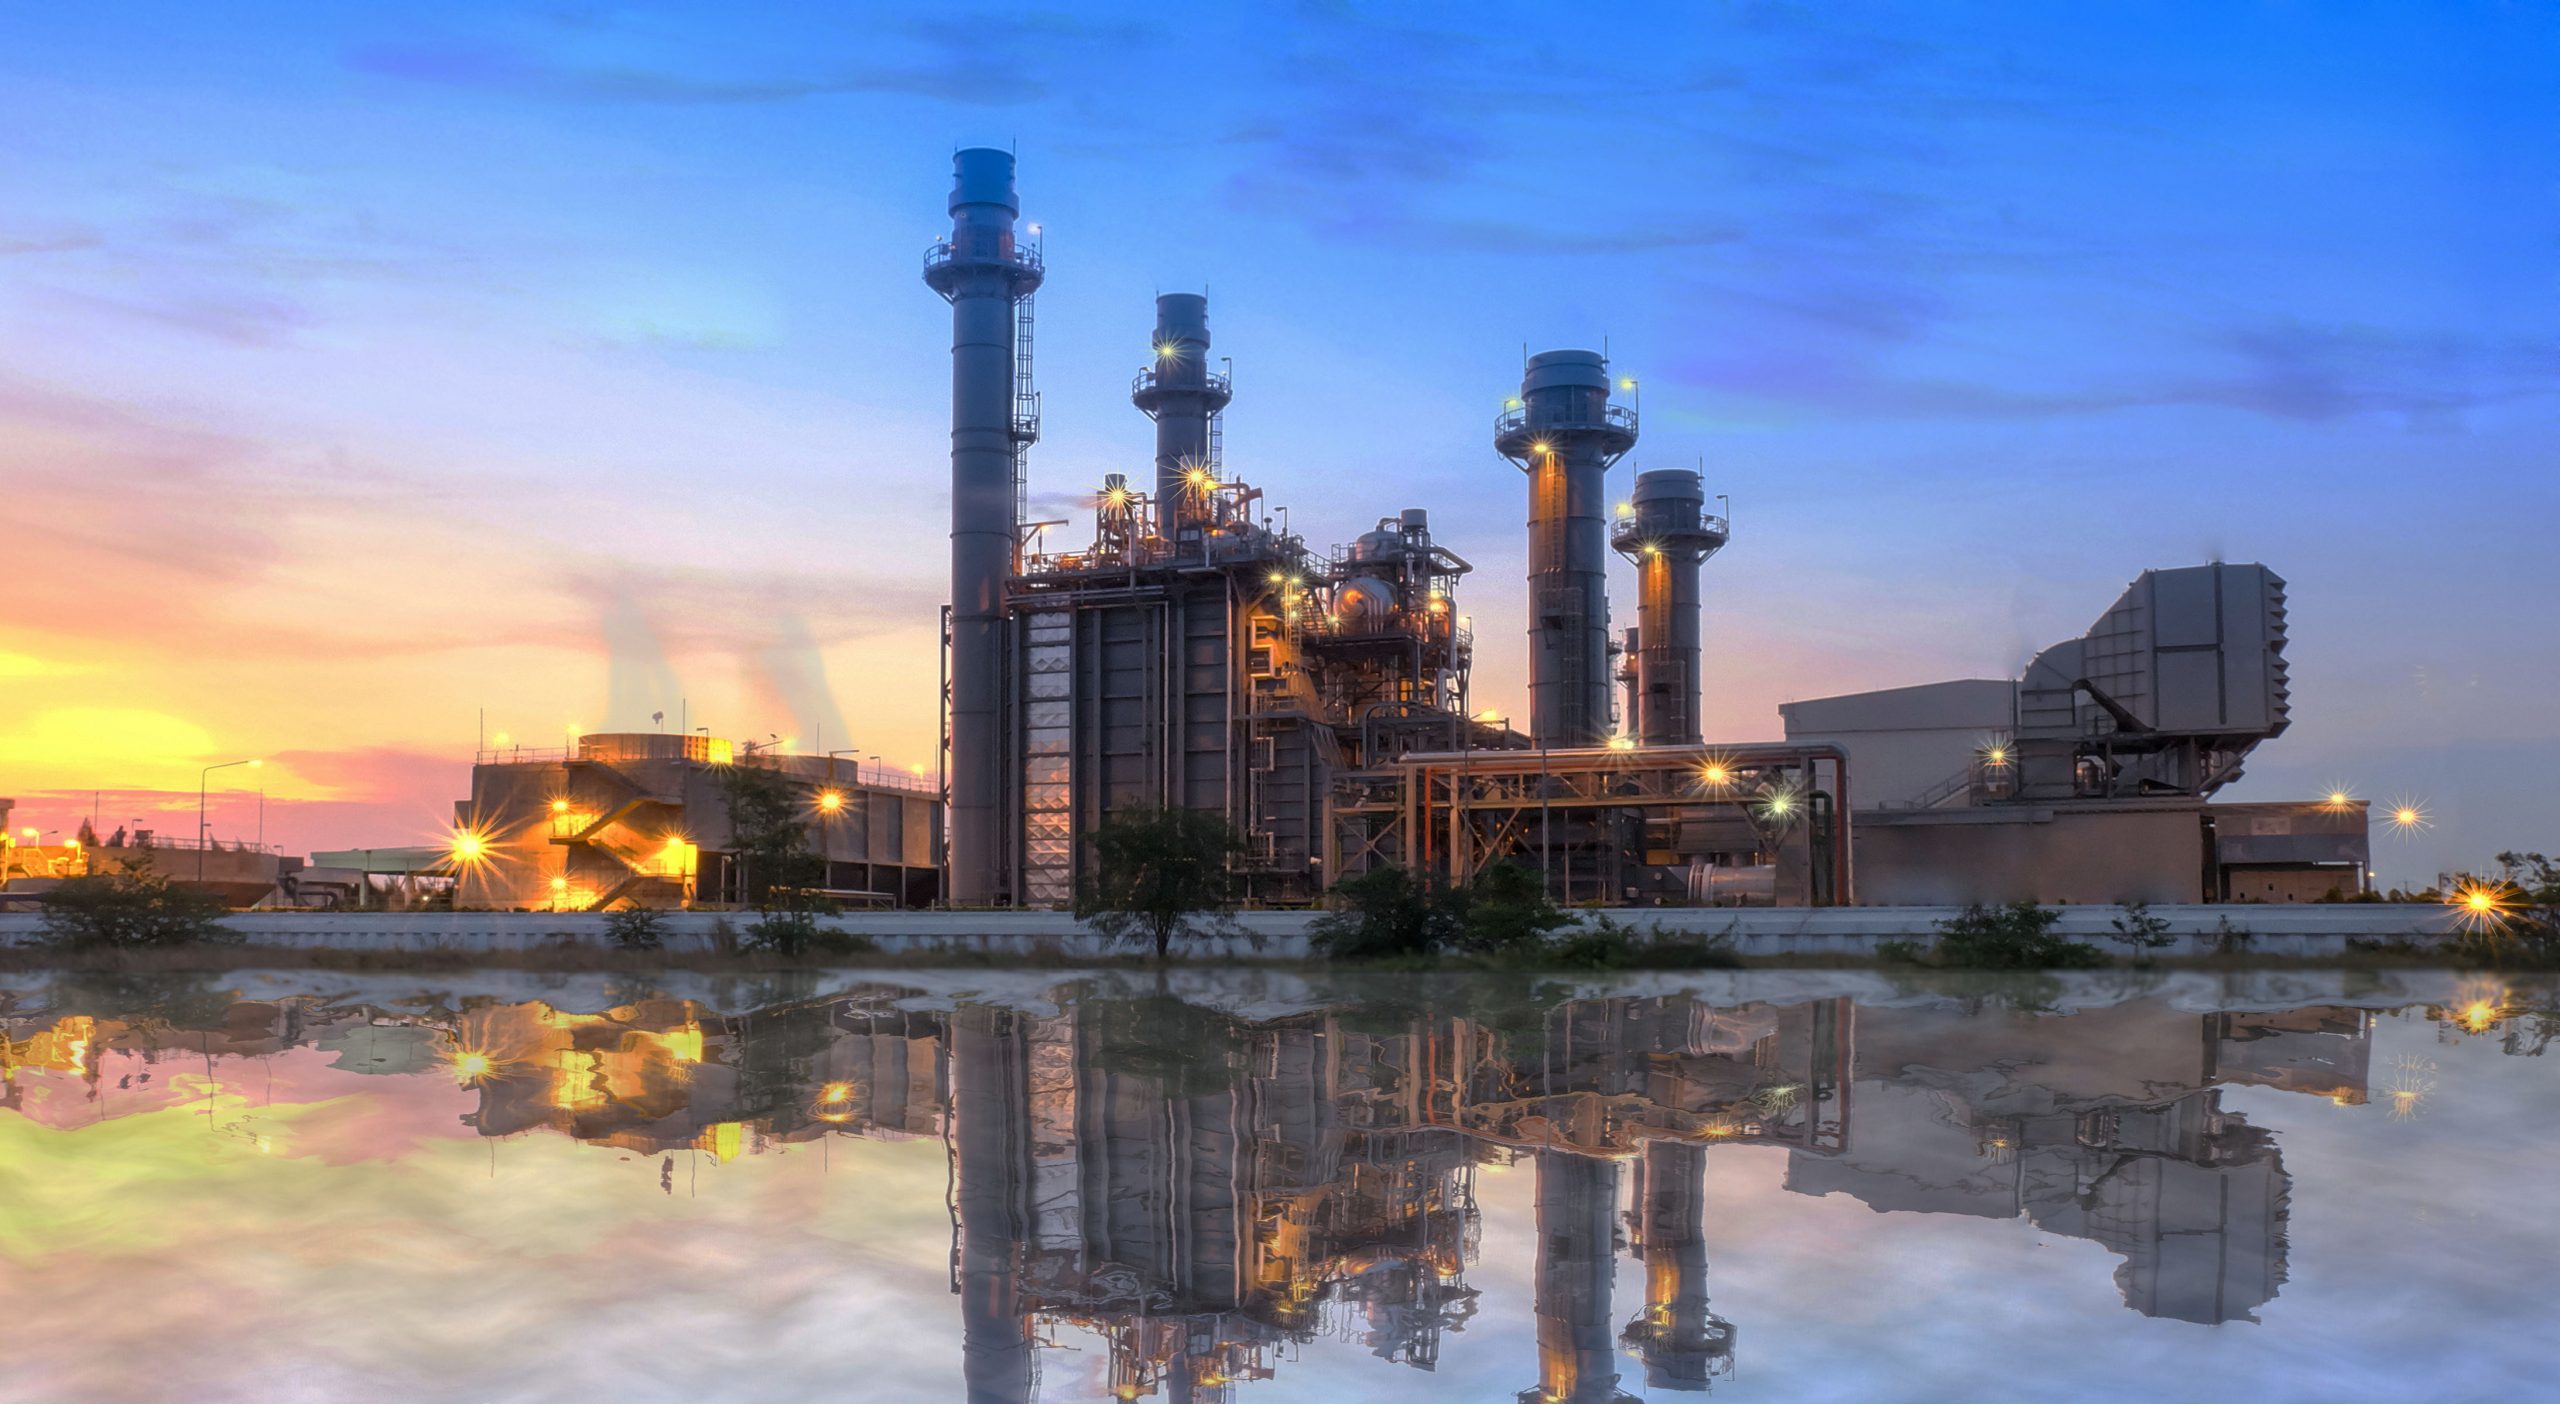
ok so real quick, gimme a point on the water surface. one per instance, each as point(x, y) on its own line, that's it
point(1465, 1189)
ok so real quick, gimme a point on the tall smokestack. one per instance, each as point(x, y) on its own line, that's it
point(1668, 535)
point(1178, 391)
point(1564, 433)
point(983, 274)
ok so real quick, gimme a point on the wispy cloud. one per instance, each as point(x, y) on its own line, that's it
point(991, 59)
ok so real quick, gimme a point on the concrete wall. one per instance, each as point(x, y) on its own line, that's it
point(1904, 741)
point(2017, 853)
point(2275, 930)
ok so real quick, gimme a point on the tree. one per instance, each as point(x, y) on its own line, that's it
point(1157, 874)
point(768, 836)
point(131, 907)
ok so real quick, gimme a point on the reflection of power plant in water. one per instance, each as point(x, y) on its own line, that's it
point(1683, 1344)
point(2104, 1125)
point(1201, 1192)
point(1577, 1257)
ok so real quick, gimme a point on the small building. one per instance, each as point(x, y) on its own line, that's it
point(641, 819)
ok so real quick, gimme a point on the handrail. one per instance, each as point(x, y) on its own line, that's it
point(1516, 420)
point(1215, 383)
point(943, 251)
point(1633, 530)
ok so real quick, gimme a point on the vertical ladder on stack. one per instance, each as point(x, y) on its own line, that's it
point(1026, 411)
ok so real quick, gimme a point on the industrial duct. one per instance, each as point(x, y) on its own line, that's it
point(1564, 433)
point(984, 274)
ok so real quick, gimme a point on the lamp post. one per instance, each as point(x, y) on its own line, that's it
point(203, 784)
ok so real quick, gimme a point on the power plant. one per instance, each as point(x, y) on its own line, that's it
point(1197, 653)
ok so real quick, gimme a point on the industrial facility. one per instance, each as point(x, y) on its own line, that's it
point(1195, 652)
point(643, 819)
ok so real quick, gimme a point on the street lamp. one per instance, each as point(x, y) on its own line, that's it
point(203, 783)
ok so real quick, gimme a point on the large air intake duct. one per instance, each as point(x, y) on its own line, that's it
point(983, 273)
point(1564, 434)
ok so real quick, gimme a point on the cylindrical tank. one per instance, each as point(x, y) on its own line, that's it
point(1381, 545)
point(1564, 433)
point(1179, 392)
point(983, 274)
point(1364, 603)
point(1668, 534)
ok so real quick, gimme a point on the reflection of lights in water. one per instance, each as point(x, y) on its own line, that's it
point(472, 1065)
point(2412, 1078)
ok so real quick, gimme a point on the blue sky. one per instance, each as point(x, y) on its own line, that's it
point(360, 371)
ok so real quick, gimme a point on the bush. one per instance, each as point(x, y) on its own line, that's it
point(1383, 914)
point(789, 934)
point(1598, 943)
point(637, 928)
point(1504, 909)
point(794, 933)
point(129, 909)
point(1899, 952)
point(2142, 932)
point(2018, 936)
point(2230, 939)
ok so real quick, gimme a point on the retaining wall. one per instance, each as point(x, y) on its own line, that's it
point(2305, 930)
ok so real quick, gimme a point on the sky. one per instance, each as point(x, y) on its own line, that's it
point(373, 382)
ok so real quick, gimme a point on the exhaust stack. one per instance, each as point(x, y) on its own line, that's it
point(1668, 534)
point(1564, 433)
point(983, 274)
point(1180, 393)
